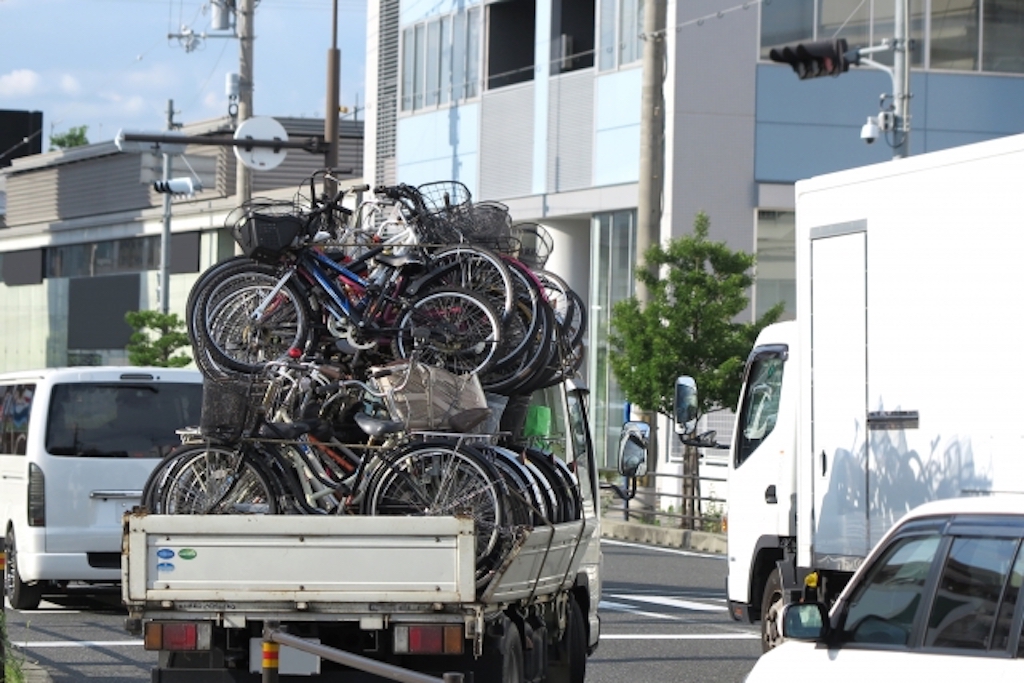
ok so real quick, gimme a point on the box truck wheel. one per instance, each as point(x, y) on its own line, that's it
point(20, 594)
point(771, 604)
point(503, 654)
point(571, 665)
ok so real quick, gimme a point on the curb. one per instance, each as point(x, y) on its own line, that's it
point(670, 538)
point(34, 673)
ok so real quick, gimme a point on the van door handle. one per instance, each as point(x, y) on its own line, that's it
point(769, 495)
point(116, 494)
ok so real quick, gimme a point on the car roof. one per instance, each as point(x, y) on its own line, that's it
point(994, 504)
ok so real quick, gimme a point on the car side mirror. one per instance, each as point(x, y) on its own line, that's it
point(633, 444)
point(804, 621)
point(686, 406)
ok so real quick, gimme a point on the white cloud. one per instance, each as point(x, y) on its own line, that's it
point(19, 83)
point(69, 85)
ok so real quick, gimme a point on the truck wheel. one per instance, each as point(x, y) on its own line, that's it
point(503, 655)
point(771, 604)
point(571, 666)
point(20, 594)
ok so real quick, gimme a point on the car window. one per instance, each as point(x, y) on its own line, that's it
point(883, 608)
point(968, 593)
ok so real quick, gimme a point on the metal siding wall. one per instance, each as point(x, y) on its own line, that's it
point(506, 142)
point(89, 188)
point(387, 92)
point(570, 131)
point(32, 197)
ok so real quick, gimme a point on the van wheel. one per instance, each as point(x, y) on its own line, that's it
point(571, 666)
point(20, 594)
point(771, 606)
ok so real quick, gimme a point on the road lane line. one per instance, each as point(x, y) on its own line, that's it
point(671, 602)
point(680, 636)
point(656, 548)
point(620, 607)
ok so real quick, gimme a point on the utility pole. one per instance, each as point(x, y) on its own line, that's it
point(901, 79)
point(331, 112)
point(165, 234)
point(244, 21)
point(650, 188)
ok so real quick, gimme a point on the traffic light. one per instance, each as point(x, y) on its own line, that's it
point(814, 59)
point(178, 186)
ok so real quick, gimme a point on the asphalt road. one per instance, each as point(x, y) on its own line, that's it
point(663, 620)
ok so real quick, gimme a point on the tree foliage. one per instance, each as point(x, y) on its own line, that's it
point(156, 339)
point(75, 137)
point(696, 289)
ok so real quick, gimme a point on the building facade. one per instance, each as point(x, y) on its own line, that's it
point(536, 104)
point(80, 237)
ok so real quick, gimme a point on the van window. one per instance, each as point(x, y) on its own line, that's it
point(120, 420)
point(15, 409)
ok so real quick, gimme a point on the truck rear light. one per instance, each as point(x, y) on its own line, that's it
point(36, 496)
point(177, 636)
point(428, 639)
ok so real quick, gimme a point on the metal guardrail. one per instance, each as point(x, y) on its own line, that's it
point(273, 637)
point(690, 510)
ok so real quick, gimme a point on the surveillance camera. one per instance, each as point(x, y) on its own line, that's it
point(869, 131)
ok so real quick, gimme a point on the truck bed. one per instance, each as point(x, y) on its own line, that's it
point(308, 568)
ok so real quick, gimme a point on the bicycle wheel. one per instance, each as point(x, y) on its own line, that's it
point(440, 480)
point(238, 337)
point(216, 481)
point(464, 331)
point(475, 269)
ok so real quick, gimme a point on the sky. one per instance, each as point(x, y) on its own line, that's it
point(109, 64)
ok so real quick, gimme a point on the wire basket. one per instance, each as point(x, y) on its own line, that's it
point(488, 224)
point(535, 244)
point(428, 398)
point(227, 410)
point(265, 229)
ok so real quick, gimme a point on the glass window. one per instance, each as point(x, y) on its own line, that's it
point(612, 280)
point(473, 53)
point(785, 22)
point(759, 410)
point(459, 57)
point(445, 48)
point(130, 255)
point(120, 420)
point(419, 67)
point(883, 608)
point(969, 590)
point(15, 411)
point(441, 60)
point(621, 23)
point(954, 34)
point(433, 61)
point(408, 67)
point(1002, 47)
point(1001, 632)
point(775, 278)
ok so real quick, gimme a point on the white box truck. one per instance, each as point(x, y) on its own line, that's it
point(898, 383)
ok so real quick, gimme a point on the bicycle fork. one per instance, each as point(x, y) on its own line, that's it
point(257, 314)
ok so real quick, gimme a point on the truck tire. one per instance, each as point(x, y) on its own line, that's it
point(20, 594)
point(504, 662)
point(571, 666)
point(771, 603)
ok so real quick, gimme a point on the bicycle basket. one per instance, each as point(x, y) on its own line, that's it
point(425, 397)
point(265, 229)
point(535, 244)
point(488, 224)
point(443, 196)
point(226, 410)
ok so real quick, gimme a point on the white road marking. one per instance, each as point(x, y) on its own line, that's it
point(656, 548)
point(620, 607)
point(680, 636)
point(77, 643)
point(672, 602)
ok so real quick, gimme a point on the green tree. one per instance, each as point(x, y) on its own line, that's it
point(156, 339)
point(697, 288)
point(75, 137)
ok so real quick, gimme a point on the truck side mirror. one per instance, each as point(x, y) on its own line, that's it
point(686, 406)
point(633, 444)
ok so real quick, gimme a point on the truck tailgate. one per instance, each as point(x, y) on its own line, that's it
point(290, 559)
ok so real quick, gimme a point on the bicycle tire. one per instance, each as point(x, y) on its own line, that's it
point(528, 496)
point(439, 479)
point(465, 332)
point(510, 378)
point(237, 342)
point(522, 321)
point(476, 269)
point(211, 480)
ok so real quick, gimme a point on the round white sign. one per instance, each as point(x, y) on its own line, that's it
point(260, 128)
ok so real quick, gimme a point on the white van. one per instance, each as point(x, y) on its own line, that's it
point(76, 447)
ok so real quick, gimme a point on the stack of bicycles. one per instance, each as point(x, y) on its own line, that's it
point(357, 362)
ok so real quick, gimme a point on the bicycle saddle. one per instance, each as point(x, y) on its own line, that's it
point(375, 427)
